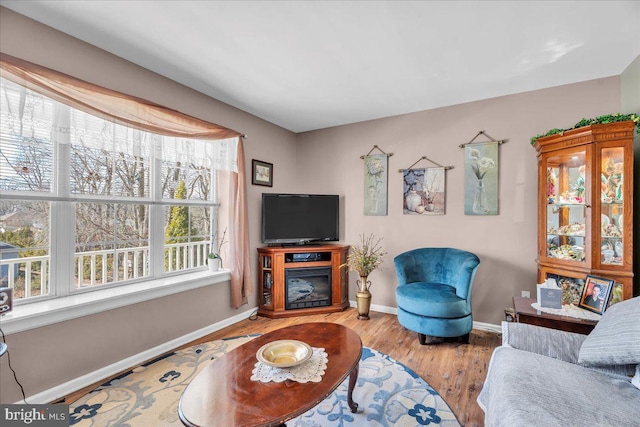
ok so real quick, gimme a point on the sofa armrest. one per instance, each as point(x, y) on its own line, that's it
point(560, 345)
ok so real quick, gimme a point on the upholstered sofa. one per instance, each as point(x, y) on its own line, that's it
point(546, 377)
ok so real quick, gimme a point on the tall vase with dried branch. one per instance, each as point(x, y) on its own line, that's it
point(214, 260)
point(364, 259)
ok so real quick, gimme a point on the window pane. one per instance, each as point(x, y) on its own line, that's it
point(25, 139)
point(188, 162)
point(187, 237)
point(107, 158)
point(24, 247)
point(99, 172)
point(112, 243)
point(197, 180)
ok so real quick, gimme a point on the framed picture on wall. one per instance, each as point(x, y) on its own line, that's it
point(595, 294)
point(481, 178)
point(376, 170)
point(262, 173)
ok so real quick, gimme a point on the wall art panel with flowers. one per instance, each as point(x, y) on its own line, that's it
point(481, 178)
point(424, 191)
point(375, 184)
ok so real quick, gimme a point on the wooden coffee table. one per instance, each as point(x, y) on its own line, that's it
point(222, 394)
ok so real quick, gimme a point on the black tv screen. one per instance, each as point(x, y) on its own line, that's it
point(299, 218)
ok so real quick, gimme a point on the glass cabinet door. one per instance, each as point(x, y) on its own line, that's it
point(566, 196)
point(612, 201)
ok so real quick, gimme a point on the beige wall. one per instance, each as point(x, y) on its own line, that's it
point(506, 243)
point(324, 161)
point(630, 88)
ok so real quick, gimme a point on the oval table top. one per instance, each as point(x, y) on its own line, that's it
point(223, 394)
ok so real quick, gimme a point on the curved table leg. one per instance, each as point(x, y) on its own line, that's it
point(352, 383)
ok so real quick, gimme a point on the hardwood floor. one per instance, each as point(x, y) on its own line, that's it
point(456, 371)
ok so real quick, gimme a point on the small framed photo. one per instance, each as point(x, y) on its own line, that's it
point(262, 173)
point(595, 294)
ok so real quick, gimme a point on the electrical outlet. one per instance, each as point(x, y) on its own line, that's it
point(526, 294)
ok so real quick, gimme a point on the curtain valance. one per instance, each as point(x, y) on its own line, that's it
point(109, 104)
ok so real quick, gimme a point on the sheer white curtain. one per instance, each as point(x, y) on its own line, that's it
point(221, 154)
point(30, 118)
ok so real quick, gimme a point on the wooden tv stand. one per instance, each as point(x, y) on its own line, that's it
point(275, 262)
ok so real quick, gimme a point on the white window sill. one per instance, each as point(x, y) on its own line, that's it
point(47, 312)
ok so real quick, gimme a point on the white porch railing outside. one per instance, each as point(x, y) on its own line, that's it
point(29, 276)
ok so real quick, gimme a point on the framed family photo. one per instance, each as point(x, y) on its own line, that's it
point(262, 173)
point(595, 294)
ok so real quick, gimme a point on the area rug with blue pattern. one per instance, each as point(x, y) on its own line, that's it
point(388, 394)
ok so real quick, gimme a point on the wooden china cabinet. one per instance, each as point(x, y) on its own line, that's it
point(585, 208)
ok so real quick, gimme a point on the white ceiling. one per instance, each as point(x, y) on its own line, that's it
point(308, 65)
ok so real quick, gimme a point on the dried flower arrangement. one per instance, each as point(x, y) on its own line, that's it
point(365, 258)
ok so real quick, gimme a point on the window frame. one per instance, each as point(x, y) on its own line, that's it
point(62, 217)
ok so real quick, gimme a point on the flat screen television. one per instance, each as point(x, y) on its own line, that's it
point(299, 218)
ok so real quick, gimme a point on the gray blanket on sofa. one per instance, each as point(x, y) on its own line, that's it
point(526, 389)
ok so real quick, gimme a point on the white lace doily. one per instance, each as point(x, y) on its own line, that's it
point(310, 371)
point(569, 310)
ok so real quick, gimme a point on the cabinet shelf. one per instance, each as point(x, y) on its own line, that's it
point(566, 205)
point(585, 209)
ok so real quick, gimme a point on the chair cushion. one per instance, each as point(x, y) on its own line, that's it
point(616, 338)
point(432, 300)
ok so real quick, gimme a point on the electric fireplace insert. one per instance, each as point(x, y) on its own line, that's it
point(307, 287)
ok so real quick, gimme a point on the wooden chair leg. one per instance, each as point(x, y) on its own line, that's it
point(422, 338)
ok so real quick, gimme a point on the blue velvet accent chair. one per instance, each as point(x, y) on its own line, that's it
point(434, 292)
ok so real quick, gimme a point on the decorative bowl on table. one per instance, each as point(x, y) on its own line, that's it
point(284, 353)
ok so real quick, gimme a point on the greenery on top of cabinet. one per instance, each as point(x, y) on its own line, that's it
point(607, 118)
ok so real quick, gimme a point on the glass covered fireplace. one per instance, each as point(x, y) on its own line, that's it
point(307, 287)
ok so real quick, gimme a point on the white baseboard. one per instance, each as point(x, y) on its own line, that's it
point(378, 308)
point(64, 389)
point(487, 327)
point(394, 310)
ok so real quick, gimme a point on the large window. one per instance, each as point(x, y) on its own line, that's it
point(88, 203)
